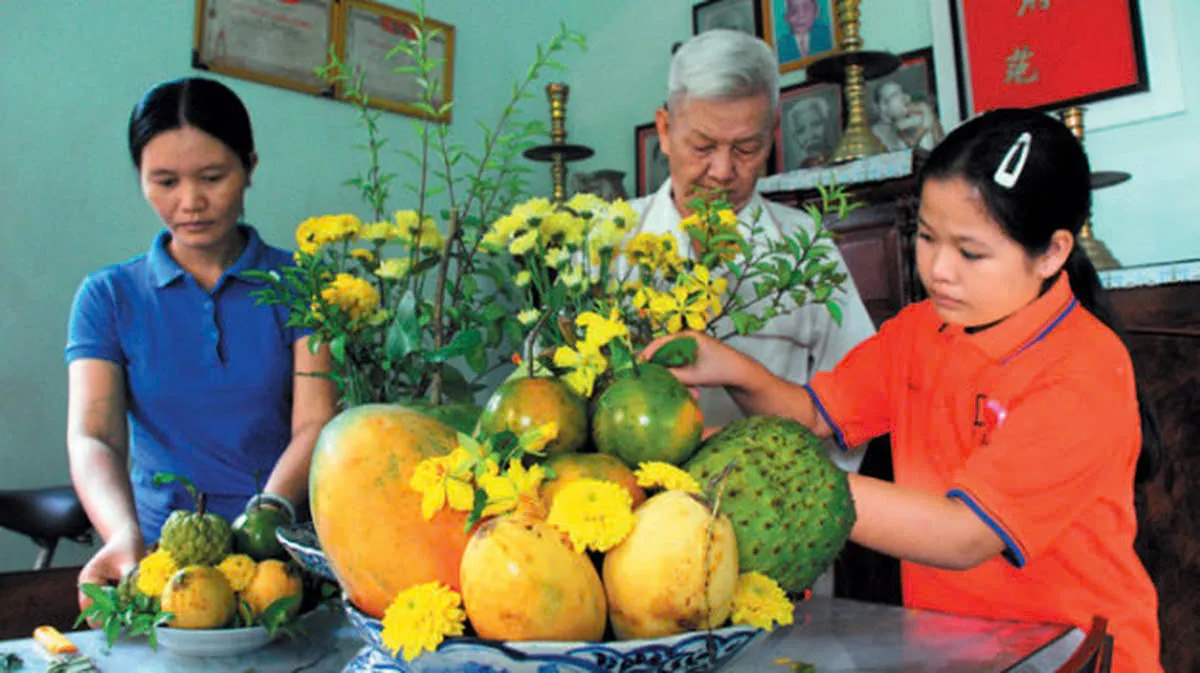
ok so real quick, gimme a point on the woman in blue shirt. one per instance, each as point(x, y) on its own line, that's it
point(171, 365)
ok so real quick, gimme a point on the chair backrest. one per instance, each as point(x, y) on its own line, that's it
point(1094, 654)
point(34, 598)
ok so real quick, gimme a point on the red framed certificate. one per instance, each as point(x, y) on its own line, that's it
point(1046, 54)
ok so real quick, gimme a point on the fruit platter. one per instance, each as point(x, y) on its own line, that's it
point(208, 587)
point(568, 532)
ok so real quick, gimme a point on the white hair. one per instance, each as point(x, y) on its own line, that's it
point(723, 63)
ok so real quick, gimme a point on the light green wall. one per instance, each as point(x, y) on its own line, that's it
point(69, 202)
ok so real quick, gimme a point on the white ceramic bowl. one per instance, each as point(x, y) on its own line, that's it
point(214, 642)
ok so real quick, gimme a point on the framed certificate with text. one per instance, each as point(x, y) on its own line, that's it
point(370, 33)
point(279, 42)
point(1046, 54)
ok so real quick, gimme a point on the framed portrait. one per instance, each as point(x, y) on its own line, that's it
point(800, 31)
point(902, 107)
point(810, 125)
point(1046, 55)
point(369, 32)
point(266, 41)
point(740, 15)
point(653, 168)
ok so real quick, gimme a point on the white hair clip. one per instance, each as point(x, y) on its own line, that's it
point(1013, 163)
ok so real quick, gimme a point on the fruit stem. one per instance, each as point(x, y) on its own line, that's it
point(201, 502)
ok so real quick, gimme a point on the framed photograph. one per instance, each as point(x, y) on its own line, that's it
point(266, 41)
point(653, 168)
point(801, 31)
point(1046, 55)
point(902, 107)
point(369, 31)
point(810, 125)
point(740, 15)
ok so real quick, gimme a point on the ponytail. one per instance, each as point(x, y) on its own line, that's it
point(1085, 283)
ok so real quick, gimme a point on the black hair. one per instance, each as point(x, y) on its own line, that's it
point(202, 103)
point(1051, 191)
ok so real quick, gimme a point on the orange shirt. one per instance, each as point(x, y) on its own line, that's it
point(1033, 423)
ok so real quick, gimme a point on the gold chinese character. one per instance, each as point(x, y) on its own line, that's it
point(1019, 69)
point(1032, 5)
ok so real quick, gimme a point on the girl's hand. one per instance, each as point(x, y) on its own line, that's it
point(119, 555)
point(716, 363)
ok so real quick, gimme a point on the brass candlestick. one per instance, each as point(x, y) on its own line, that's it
point(1096, 250)
point(558, 152)
point(852, 66)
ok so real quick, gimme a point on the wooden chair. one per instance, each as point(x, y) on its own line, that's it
point(32, 598)
point(1094, 654)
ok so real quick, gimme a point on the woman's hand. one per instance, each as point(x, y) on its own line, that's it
point(716, 363)
point(119, 555)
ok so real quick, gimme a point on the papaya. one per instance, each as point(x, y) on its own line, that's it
point(368, 517)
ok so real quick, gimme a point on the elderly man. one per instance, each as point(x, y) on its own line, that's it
point(808, 134)
point(716, 130)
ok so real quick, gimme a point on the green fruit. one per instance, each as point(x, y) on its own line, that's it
point(647, 415)
point(790, 505)
point(254, 533)
point(127, 589)
point(522, 404)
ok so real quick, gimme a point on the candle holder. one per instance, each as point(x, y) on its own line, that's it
point(851, 66)
point(558, 152)
point(1096, 250)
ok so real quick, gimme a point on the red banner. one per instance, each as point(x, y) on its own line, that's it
point(1047, 53)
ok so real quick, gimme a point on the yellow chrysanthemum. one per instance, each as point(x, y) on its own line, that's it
point(362, 254)
point(522, 278)
point(573, 276)
point(523, 243)
point(516, 487)
point(444, 479)
point(355, 296)
point(584, 364)
point(586, 204)
point(556, 256)
point(394, 268)
point(535, 208)
point(657, 252)
point(420, 618)
point(528, 316)
point(154, 571)
point(593, 513)
point(238, 569)
point(759, 602)
point(317, 232)
point(665, 475)
point(380, 232)
point(562, 225)
point(425, 231)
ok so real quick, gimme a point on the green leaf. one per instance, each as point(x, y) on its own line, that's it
point(676, 353)
point(462, 342)
point(404, 334)
point(337, 348)
point(835, 312)
point(476, 509)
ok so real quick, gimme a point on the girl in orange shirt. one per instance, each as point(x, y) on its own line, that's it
point(1015, 419)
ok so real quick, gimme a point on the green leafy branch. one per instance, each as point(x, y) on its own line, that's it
point(120, 614)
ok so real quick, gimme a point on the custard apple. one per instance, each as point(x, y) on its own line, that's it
point(790, 505)
point(194, 538)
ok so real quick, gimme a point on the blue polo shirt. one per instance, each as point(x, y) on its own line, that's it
point(208, 374)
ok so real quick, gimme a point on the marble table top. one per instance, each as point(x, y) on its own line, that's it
point(831, 634)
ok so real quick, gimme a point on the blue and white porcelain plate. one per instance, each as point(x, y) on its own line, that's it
point(695, 652)
point(301, 542)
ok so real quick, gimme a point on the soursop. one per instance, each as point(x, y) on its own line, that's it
point(790, 505)
point(194, 538)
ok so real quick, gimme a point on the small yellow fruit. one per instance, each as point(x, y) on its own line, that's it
point(273, 580)
point(199, 597)
point(655, 579)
